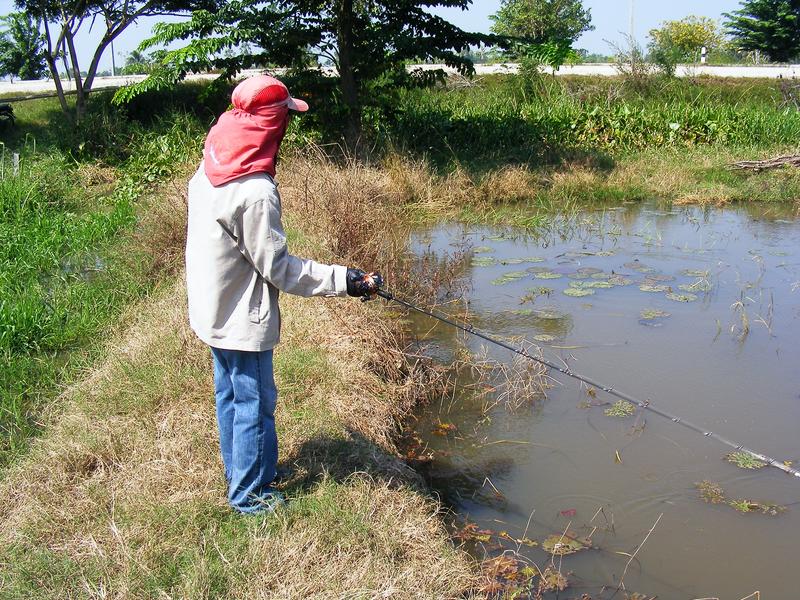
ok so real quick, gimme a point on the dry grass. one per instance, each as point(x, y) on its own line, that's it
point(123, 495)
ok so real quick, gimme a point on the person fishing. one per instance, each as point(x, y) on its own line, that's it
point(237, 262)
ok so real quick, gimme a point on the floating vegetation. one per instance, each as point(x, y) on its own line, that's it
point(545, 338)
point(695, 273)
point(681, 297)
point(601, 275)
point(499, 237)
point(659, 277)
point(561, 545)
point(483, 250)
point(649, 287)
point(519, 261)
point(744, 460)
point(651, 314)
point(535, 292)
point(550, 314)
point(444, 429)
point(483, 261)
point(748, 506)
point(547, 275)
point(606, 253)
point(620, 408)
point(597, 284)
point(619, 280)
point(701, 285)
point(710, 492)
point(578, 275)
point(578, 292)
point(639, 267)
point(590, 270)
point(509, 277)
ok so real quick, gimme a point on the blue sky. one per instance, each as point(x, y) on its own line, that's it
point(610, 18)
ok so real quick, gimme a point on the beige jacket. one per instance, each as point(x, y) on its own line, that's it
point(237, 261)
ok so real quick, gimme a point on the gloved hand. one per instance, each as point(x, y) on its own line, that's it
point(361, 284)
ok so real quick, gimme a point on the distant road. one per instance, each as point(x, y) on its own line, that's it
point(769, 71)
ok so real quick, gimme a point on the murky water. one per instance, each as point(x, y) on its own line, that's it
point(727, 359)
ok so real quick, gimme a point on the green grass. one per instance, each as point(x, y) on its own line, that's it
point(502, 119)
point(68, 260)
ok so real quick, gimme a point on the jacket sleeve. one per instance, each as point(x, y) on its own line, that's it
point(262, 242)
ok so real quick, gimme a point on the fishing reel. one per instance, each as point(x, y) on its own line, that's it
point(375, 281)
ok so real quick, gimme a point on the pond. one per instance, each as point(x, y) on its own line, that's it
point(694, 309)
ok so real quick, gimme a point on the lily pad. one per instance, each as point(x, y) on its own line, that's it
point(578, 292)
point(649, 287)
point(549, 314)
point(619, 280)
point(590, 270)
point(597, 284)
point(620, 408)
point(659, 278)
point(547, 275)
point(650, 314)
point(681, 297)
point(606, 253)
point(561, 545)
point(509, 277)
point(578, 275)
point(544, 338)
point(639, 266)
point(483, 261)
point(695, 273)
point(744, 460)
point(600, 275)
point(483, 250)
point(701, 285)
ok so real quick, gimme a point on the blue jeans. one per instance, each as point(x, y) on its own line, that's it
point(246, 397)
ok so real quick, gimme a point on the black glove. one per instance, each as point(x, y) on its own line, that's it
point(361, 284)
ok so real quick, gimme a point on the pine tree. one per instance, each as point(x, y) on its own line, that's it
point(769, 26)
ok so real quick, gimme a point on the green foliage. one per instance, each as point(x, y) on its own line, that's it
point(768, 26)
point(542, 20)
point(63, 275)
point(682, 41)
point(22, 47)
point(368, 43)
point(501, 120)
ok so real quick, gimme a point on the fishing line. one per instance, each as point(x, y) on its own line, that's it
point(646, 405)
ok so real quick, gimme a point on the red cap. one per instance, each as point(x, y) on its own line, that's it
point(264, 91)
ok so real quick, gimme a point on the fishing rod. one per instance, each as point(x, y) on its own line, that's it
point(646, 405)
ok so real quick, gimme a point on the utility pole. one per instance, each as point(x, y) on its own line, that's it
point(631, 30)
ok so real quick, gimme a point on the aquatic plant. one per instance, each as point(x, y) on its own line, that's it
point(621, 408)
point(687, 297)
point(647, 287)
point(577, 292)
point(562, 545)
point(509, 277)
point(547, 275)
point(744, 460)
point(483, 261)
point(650, 314)
point(710, 492)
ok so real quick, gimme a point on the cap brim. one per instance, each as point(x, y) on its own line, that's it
point(297, 104)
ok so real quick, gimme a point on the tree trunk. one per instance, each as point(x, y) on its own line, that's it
point(52, 58)
point(347, 80)
point(80, 96)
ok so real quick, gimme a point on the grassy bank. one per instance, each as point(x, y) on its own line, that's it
point(123, 493)
point(72, 250)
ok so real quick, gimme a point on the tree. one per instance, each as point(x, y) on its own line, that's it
point(681, 41)
point(63, 20)
point(768, 26)
point(22, 47)
point(545, 29)
point(369, 43)
point(542, 20)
